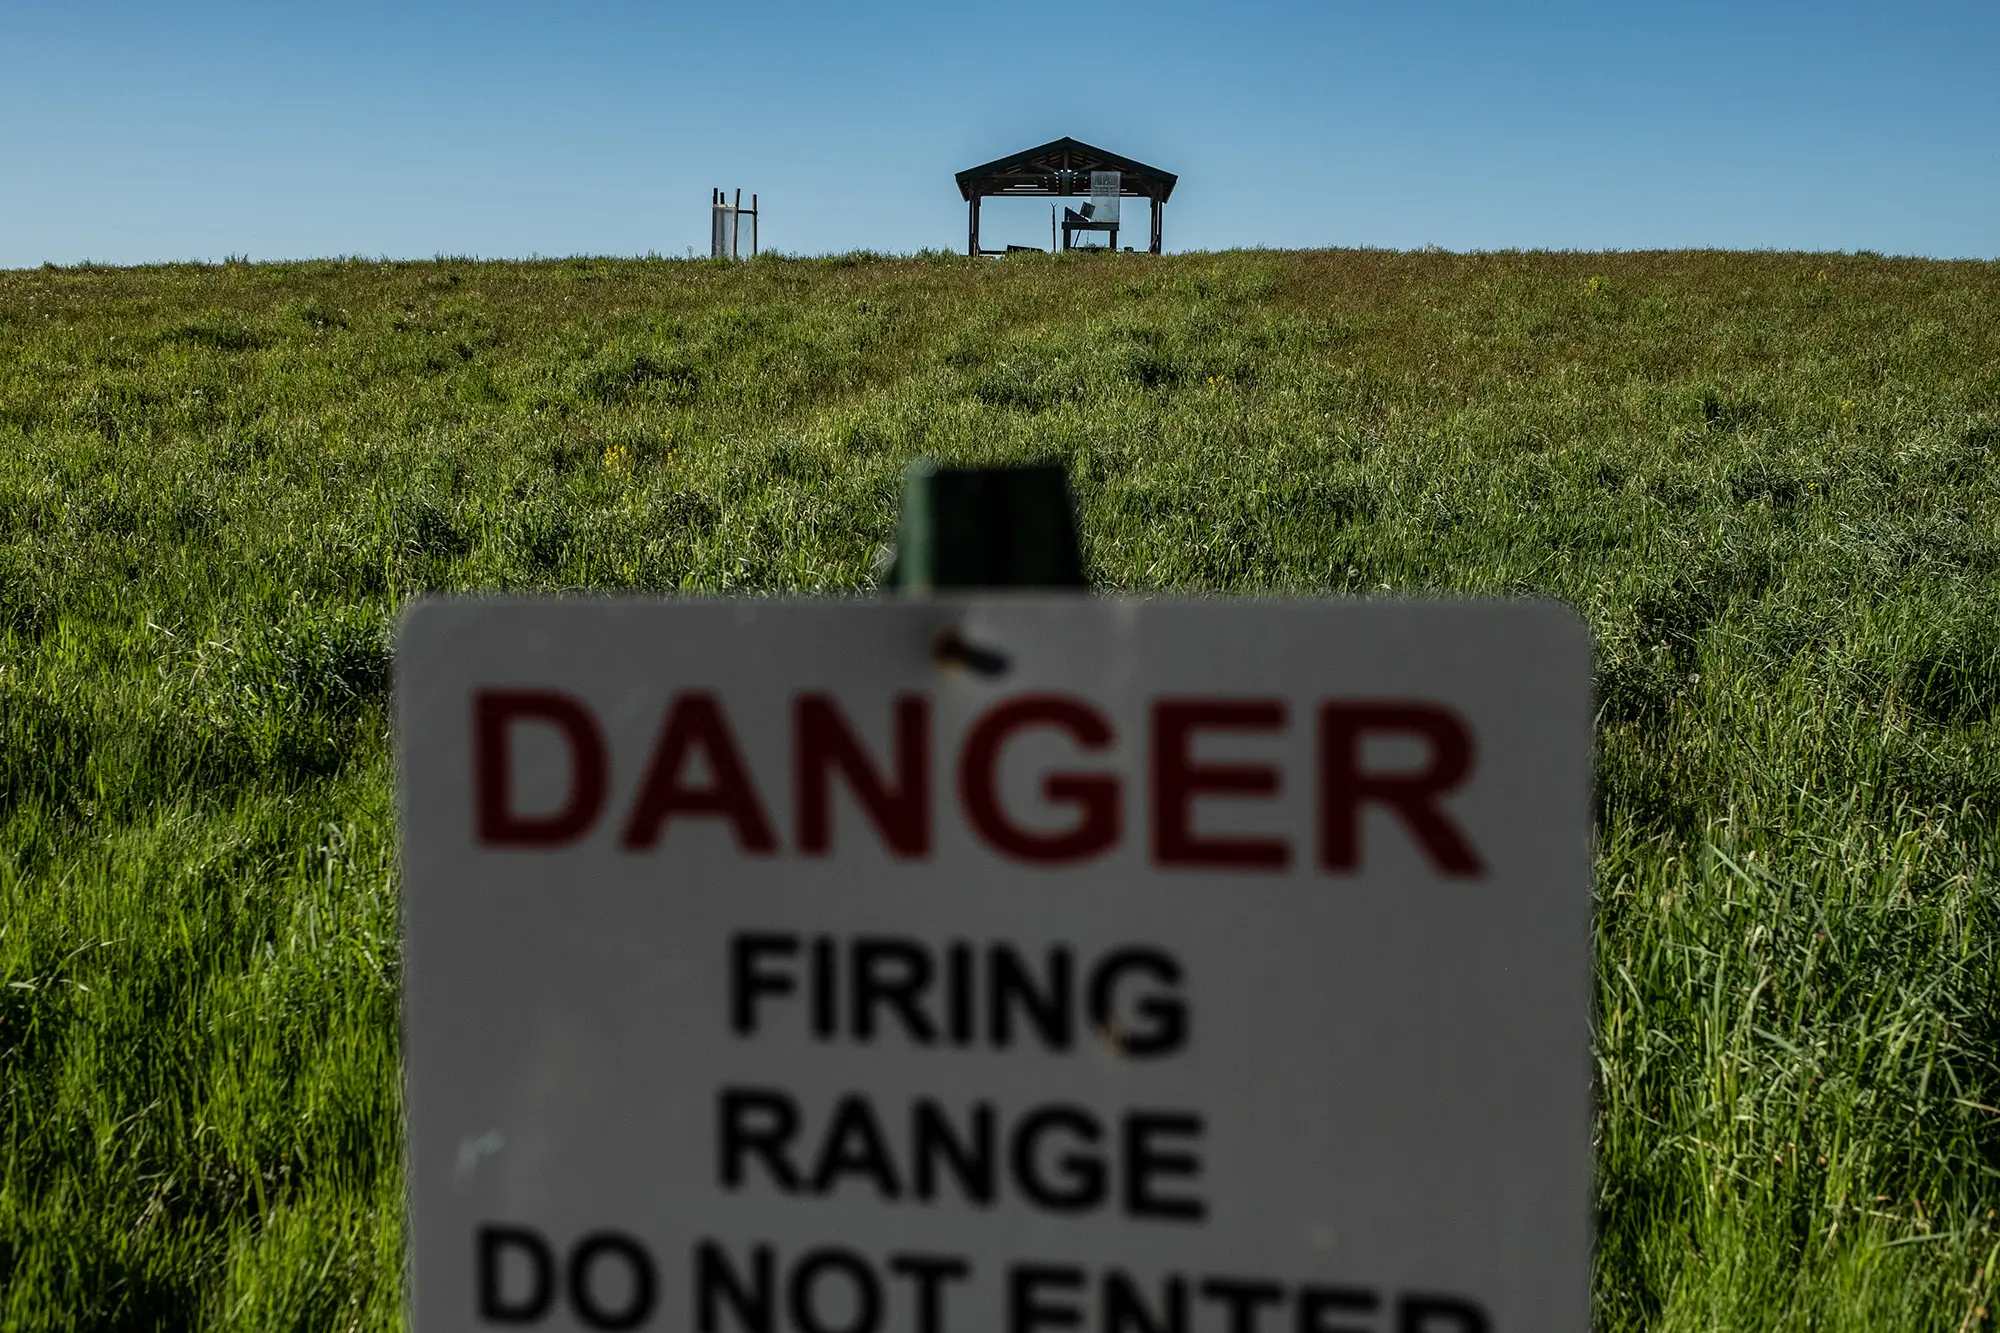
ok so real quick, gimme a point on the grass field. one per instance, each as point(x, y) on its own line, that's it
point(1768, 481)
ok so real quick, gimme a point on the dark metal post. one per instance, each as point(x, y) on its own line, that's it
point(986, 527)
point(972, 227)
point(1158, 210)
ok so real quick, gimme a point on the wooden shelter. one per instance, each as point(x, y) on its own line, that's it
point(1062, 169)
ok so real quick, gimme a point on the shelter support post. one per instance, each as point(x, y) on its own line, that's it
point(972, 227)
point(1159, 208)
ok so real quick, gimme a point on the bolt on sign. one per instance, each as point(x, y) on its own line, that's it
point(997, 964)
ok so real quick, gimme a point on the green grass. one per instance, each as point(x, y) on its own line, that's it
point(1767, 480)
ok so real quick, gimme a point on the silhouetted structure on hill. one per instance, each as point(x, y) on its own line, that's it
point(1065, 168)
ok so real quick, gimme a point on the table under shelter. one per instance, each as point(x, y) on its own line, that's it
point(1064, 169)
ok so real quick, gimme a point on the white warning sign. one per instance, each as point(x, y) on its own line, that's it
point(1009, 964)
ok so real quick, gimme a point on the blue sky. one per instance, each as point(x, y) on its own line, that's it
point(135, 133)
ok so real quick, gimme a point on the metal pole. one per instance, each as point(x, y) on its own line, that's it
point(986, 527)
point(735, 225)
point(753, 226)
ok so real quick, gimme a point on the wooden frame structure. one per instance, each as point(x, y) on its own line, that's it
point(1061, 168)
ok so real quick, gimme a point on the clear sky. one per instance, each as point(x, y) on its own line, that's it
point(138, 132)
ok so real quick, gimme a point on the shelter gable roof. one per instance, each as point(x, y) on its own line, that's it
point(1063, 167)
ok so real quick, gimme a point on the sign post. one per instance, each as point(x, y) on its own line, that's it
point(986, 527)
point(1143, 966)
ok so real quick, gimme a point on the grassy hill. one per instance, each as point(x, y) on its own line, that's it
point(1769, 481)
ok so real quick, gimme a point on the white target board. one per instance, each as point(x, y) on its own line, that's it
point(1105, 191)
point(997, 965)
